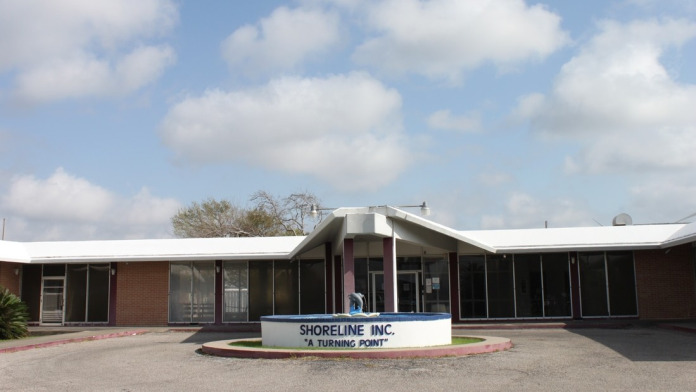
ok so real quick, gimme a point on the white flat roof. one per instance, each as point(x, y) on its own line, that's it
point(577, 238)
point(653, 236)
point(150, 250)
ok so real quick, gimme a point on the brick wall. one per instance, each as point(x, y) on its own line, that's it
point(8, 279)
point(666, 283)
point(142, 293)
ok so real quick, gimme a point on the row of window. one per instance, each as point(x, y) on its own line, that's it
point(73, 293)
point(251, 289)
point(538, 285)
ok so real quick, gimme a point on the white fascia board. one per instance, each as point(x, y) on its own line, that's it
point(684, 235)
point(13, 252)
point(576, 238)
point(162, 250)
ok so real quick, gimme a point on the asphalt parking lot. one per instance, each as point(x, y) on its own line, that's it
point(635, 358)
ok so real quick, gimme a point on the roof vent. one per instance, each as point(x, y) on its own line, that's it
point(622, 220)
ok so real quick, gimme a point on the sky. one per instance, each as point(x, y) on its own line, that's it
point(500, 114)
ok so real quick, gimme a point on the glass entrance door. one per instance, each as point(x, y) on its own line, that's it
point(407, 290)
point(52, 301)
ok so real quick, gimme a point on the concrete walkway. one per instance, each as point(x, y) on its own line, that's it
point(43, 336)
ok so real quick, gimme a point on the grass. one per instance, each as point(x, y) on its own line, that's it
point(456, 341)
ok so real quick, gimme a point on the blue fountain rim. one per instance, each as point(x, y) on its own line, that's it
point(383, 317)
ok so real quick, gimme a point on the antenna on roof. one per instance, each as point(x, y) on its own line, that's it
point(595, 221)
point(680, 220)
point(3, 229)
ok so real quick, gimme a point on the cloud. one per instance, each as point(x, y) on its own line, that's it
point(84, 76)
point(617, 99)
point(442, 39)
point(343, 129)
point(79, 48)
point(281, 41)
point(443, 119)
point(525, 211)
point(64, 206)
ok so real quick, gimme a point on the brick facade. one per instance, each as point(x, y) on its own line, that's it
point(143, 293)
point(666, 283)
point(8, 278)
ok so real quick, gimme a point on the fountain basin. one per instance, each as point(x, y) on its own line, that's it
point(387, 330)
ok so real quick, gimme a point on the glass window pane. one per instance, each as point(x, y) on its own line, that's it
point(622, 288)
point(31, 290)
point(362, 284)
point(556, 285)
point(501, 301)
point(472, 286)
point(54, 270)
point(436, 270)
point(260, 289)
point(287, 298)
point(312, 293)
point(593, 284)
point(203, 292)
point(528, 294)
point(76, 293)
point(98, 293)
point(180, 291)
point(236, 297)
point(376, 264)
point(408, 263)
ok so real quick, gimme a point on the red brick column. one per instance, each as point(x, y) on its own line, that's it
point(666, 283)
point(143, 293)
point(391, 300)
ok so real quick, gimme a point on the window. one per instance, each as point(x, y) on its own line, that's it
point(472, 286)
point(607, 284)
point(192, 291)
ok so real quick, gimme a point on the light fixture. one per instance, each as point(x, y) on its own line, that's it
point(217, 269)
point(425, 210)
point(16, 271)
point(314, 210)
point(113, 271)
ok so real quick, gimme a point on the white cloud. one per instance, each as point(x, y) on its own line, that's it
point(78, 48)
point(281, 41)
point(64, 206)
point(442, 39)
point(525, 211)
point(627, 115)
point(343, 129)
point(79, 77)
point(618, 100)
point(443, 119)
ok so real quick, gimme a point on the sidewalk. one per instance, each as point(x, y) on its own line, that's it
point(53, 336)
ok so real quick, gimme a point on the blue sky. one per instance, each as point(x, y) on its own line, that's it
point(500, 114)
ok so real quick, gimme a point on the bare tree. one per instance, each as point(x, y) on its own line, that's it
point(271, 216)
point(292, 211)
point(210, 218)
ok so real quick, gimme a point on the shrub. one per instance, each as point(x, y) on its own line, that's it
point(13, 316)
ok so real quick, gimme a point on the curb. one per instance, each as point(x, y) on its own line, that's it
point(678, 328)
point(73, 340)
point(488, 345)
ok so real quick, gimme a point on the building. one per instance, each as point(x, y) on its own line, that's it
point(400, 261)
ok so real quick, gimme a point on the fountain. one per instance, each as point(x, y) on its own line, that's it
point(357, 329)
point(357, 335)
